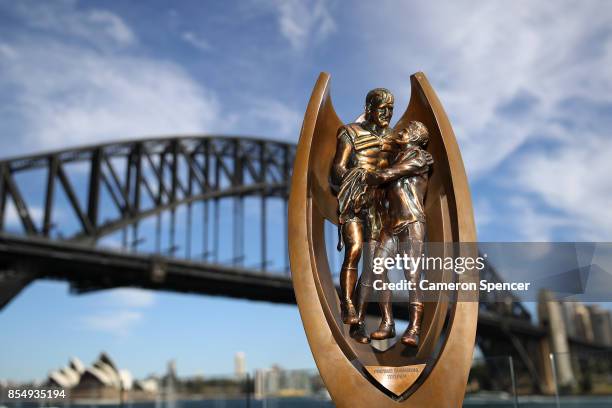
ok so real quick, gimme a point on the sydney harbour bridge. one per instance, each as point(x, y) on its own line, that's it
point(203, 214)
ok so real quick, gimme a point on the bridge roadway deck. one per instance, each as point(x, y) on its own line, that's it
point(88, 268)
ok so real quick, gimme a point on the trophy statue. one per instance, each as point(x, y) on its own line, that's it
point(390, 190)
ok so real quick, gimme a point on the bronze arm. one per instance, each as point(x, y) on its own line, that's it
point(417, 164)
point(341, 159)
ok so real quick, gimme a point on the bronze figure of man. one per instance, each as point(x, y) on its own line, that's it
point(362, 148)
point(405, 183)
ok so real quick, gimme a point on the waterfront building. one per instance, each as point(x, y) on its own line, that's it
point(584, 328)
point(277, 382)
point(569, 318)
point(240, 365)
point(267, 382)
point(149, 385)
point(550, 314)
point(601, 323)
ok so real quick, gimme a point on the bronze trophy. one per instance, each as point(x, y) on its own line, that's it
point(389, 190)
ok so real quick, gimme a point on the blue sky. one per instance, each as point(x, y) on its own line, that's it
point(527, 86)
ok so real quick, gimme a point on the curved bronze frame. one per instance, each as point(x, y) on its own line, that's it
point(450, 219)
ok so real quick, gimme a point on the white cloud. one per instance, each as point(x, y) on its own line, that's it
point(196, 40)
point(304, 22)
point(485, 212)
point(7, 51)
point(118, 323)
point(124, 308)
point(79, 96)
point(69, 92)
point(273, 117)
point(12, 219)
point(533, 225)
point(131, 298)
point(98, 27)
point(575, 178)
point(485, 60)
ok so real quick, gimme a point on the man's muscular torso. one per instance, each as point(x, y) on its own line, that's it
point(359, 151)
point(360, 147)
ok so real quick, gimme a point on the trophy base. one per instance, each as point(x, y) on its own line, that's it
point(396, 379)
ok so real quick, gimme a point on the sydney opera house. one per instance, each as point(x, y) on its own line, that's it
point(102, 380)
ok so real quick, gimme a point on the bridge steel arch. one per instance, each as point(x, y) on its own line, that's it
point(135, 180)
point(171, 171)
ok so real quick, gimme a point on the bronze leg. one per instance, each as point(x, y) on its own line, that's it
point(386, 329)
point(363, 292)
point(412, 333)
point(413, 237)
point(352, 233)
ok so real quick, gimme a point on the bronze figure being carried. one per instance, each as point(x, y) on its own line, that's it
point(405, 184)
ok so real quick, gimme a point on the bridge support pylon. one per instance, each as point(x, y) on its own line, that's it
point(13, 281)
